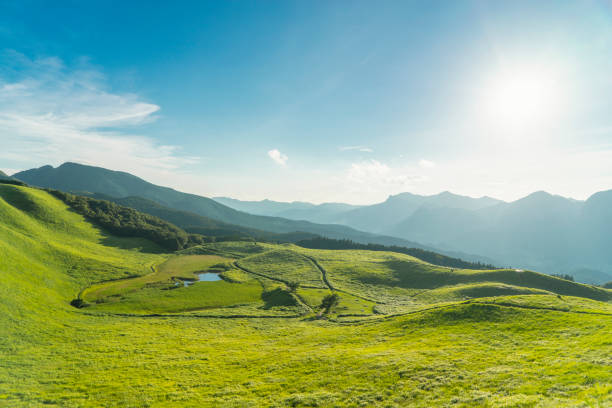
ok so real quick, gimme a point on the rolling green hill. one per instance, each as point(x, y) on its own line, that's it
point(404, 333)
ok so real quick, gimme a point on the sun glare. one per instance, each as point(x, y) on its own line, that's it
point(521, 98)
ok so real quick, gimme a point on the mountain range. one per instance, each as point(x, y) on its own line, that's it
point(194, 213)
point(542, 231)
point(297, 210)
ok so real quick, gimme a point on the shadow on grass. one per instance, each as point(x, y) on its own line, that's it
point(277, 297)
point(129, 243)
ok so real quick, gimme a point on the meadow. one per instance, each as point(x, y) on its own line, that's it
point(404, 333)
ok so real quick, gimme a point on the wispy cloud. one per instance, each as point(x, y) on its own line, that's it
point(426, 164)
point(278, 157)
point(364, 149)
point(51, 113)
point(371, 176)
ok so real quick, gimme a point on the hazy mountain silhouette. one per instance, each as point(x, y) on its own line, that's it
point(296, 210)
point(541, 231)
point(73, 177)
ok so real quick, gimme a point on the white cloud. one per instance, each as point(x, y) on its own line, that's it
point(426, 164)
point(278, 157)
point(52, 113)
point(9, 172)
point(364, 149)
point(372, 176)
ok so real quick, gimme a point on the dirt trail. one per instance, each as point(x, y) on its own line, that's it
point(322, 270)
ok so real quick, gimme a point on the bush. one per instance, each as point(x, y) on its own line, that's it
point(293, 286)
point(78, 303)
point(329, 302)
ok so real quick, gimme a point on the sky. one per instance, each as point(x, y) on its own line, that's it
point(320, 101)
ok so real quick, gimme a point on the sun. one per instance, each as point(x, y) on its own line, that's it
point(520, 97)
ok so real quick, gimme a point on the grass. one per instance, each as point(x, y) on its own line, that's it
point(462, 356)
point(456, 345)
point(177, 267)
point(285, 265)
point(348, 305)
point(200, 295)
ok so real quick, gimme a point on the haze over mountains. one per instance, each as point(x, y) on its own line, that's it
point(196, 212)
point(543, 232)
point(374, 218)
point(297, 210)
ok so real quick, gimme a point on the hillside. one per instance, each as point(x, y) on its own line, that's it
point(198, 224)
point(541, 231)
point(4, 176)
point(404, 333)
point(72, 177)
point(381, 217)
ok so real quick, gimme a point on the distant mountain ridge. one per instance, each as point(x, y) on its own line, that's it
point(543, 232)
point(296, 210)
point(540, 231)
point(73, 177)
point(372, 218)
point(198, 224)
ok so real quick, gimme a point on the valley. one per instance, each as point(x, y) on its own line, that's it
point(403, 332)
point(305, 204)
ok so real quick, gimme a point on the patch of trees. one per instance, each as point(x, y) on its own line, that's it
point(607, 285)
point(127, 222)
point(12, 181)
point(329, 301)
point(564, 276)
point(422, 254)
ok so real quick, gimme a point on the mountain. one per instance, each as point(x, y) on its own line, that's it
point(73, 177)
point(372, 218)
point(198, 224)
point(381, 217)
point(541, 231)
point(319, 213)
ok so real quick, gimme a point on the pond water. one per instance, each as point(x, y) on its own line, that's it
point(202, 277)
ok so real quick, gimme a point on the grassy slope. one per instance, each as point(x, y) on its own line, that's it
point(477, 354)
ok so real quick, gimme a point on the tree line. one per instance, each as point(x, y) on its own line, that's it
point(127, 222)
point(422, 254)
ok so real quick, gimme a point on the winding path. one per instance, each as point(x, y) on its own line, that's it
point(322, 270)
point(297, 297)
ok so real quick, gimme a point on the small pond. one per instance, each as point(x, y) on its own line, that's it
point(202, 277)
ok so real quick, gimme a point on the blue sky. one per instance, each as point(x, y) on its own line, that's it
point(314, 100)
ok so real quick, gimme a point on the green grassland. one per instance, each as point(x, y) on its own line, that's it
point(285, 265)
point(180, 267)
point(404, 333)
